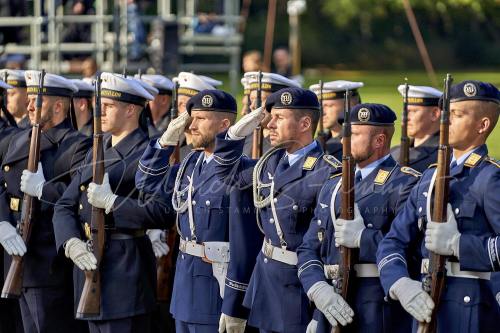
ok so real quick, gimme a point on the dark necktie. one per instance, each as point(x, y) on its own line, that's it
point(357, 177)
point(282, 166)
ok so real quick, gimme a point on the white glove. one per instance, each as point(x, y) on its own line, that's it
point(160, 247)
point(32, 183)
point(10, 240)
point(174, 131)
point(101, 196)
point(331, 304)
point(348, 232)
point(77, 250)
point(245, 126)
point(312, 326)
point(413, 298)
point(231, 324)
point(443, 238)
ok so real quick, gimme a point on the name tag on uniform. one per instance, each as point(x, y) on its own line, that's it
point(14, 204)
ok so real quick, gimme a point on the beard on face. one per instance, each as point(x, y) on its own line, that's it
point(203, 140)
point(363, 155)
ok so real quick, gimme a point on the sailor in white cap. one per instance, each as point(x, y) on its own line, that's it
point(82, 103)
point(17, 99)
point(333, 96)
point(128, 268)
point(213, 82)
point(47, 295)
point(423, 126)
point(270, 83)
point(189, 85)
point(161, 104)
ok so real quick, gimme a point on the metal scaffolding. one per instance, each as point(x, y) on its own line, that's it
point(110, 39)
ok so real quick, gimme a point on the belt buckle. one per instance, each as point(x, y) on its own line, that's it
point(14, 204)
point(268, 250)
point(332, 272)
point(182, 246)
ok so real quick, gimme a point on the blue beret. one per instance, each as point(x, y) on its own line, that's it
point(372, 114)
point(212, 100)
point(471, 90)
point(292, 98)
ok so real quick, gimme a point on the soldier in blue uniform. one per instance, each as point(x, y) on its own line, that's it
point(270, 83)
point(82, 104)
point(200, 195)
point(333, 107)
point(381, 189)
point(423, 126)
point(128, 268)
point(287, 180)
point(46, 298)
point(470, 235)
point(17, 98)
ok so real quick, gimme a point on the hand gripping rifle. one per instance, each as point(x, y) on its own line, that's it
point(165, 264)
point(257, 133)
point(347, 255)
point(90, 300)
point(434, 281)
point(14, 280)
point(404, 148)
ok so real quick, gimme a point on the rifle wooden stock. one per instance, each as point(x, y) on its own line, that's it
point(436, 278)
point(90, 300)
point(404, 148)
point(165, 264)
point(347, 255)
point(13, 281)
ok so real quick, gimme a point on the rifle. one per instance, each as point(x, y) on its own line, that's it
point(90, 300)
point(8, 115)
point(321, 131)
point(404, 149)
point(165, 264)
point(257, 133)
point(434, 281)
point(14, 280)
point(347, 255)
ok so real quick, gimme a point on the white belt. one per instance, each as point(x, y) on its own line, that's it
point(362, 271)
point(279, 254)
point(453, 270)
point(209, 251)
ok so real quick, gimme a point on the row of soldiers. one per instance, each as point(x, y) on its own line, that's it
point(259, 238)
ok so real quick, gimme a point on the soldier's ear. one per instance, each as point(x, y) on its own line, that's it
point(483, 125)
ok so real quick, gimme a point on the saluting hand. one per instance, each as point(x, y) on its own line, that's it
point(32, 183)
point(175, 129)
point(101, 196)
point(245, 126)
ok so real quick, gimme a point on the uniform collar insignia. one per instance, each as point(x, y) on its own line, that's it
point(309, 163)
point(382, 177)
point(472, 160)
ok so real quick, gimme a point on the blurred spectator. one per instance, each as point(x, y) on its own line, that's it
point(12, 8)
point(252, 61)
point(77, 32)
point(282, 62)
point(136, 31)
point(89, 68)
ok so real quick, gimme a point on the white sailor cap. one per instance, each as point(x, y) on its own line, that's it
point(85, 89)
point(270, 81)
point(13, 77)
point(190, 84)
point(246, 86)
point(53, 85)
point(160, 82)
point(421, 95)
point(128, 90)
point(210, 81)
point(336, 89)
